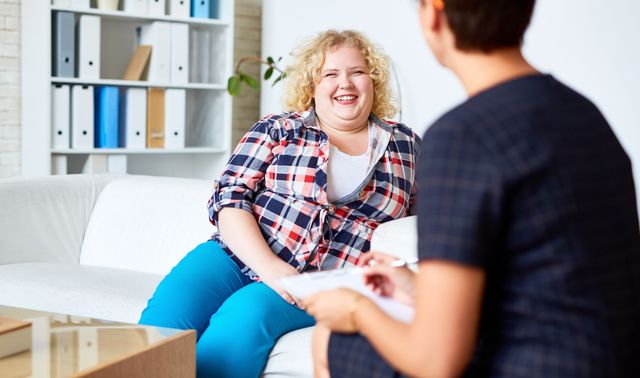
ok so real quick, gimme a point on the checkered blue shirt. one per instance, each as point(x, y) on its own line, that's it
point(278, 172)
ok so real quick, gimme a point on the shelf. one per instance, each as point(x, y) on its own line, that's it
point(136, 83)
point(143, 17)
point(145, 151)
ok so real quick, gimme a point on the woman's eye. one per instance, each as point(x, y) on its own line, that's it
point(330, 75)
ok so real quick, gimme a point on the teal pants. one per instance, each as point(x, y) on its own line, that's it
point(237, 321)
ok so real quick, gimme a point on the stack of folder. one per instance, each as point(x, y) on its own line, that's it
point(169, 43)
point(65, 51)
point(175, 8)
point(86, 117)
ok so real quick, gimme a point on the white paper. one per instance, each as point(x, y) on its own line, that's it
point(306, 284)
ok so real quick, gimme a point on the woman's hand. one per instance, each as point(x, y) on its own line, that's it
point(335, 309)
point(250, 247)
point(271, 275)
point(389, 281)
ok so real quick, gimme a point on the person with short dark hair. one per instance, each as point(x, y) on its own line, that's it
point(528, 234)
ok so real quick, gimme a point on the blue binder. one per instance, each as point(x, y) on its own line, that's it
point(106, 117)
point(205, 8)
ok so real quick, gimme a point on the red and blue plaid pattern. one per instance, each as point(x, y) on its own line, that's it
point(278, 172)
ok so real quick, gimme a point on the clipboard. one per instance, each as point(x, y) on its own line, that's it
point(306, 284)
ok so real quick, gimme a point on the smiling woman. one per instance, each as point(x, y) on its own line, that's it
point(303, 191)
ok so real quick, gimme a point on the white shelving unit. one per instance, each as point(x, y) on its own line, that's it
point(208, 106)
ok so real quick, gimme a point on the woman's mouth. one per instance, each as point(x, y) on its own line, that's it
point(346, 99)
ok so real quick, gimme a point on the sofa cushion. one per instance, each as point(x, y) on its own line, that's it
point(291, 356)
point(103, 293)
point(398, 238)
point(43, 219)
point(147, 223)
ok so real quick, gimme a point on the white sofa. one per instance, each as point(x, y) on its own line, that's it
point(97, 246)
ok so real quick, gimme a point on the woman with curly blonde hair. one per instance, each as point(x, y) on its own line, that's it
point(303, 191)
point(304, 73)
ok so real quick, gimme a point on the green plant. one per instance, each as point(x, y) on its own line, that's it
point(234, 84)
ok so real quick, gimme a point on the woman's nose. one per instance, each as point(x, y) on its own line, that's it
point(345, 83)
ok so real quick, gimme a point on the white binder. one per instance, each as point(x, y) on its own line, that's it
point(62, 3)
point(61, 117)
point(179, 8)
point(95, 164)
point(80, 4)
point(136, 6)
point(134, 112)
point(157, 7)
point(174, 118)
point(158, 35)
point(89, 47)
point(82, 116)
point(179, 53)
point(59, 165)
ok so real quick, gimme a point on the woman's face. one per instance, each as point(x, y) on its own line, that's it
point(344, 94)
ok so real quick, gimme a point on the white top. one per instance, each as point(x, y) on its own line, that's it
point(345, 172)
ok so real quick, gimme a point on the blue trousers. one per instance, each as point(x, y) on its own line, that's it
point(237, 321)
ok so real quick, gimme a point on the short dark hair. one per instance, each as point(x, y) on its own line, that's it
point(488, 25)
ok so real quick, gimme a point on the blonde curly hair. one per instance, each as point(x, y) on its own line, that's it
point(304, 74)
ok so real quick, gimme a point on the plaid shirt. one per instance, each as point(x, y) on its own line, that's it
point(278, 172)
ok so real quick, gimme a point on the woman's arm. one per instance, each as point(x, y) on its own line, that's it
point(231, 205)
point(241, 233)
point(440, 340)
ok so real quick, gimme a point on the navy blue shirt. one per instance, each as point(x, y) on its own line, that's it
point(527, 181)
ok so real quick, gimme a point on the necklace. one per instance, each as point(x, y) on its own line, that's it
point(335, 131)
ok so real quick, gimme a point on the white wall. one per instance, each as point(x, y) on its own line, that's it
point(593, 46)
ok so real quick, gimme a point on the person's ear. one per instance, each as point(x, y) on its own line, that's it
point(435, 9)
point(430, 16)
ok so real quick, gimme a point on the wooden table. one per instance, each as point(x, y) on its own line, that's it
point(71, 346)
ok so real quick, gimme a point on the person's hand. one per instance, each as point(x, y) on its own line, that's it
point(271, 276)
point(335, 308)
point(387, 280)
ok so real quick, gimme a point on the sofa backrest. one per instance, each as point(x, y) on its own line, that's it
point(147, 223)
point(43, 219)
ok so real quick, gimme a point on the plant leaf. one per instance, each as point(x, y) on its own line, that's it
point(278, 79)
point(253, 83)
point(234, 85)
point(270, 60)
point(268, 73)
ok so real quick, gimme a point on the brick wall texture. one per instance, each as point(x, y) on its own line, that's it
point(246, 108)
point(9, 88)
point(248, 33)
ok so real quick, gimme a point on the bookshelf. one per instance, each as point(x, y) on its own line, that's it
point(208, 108)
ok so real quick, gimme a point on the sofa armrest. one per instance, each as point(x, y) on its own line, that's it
point(44, 219)
point(398, 238)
